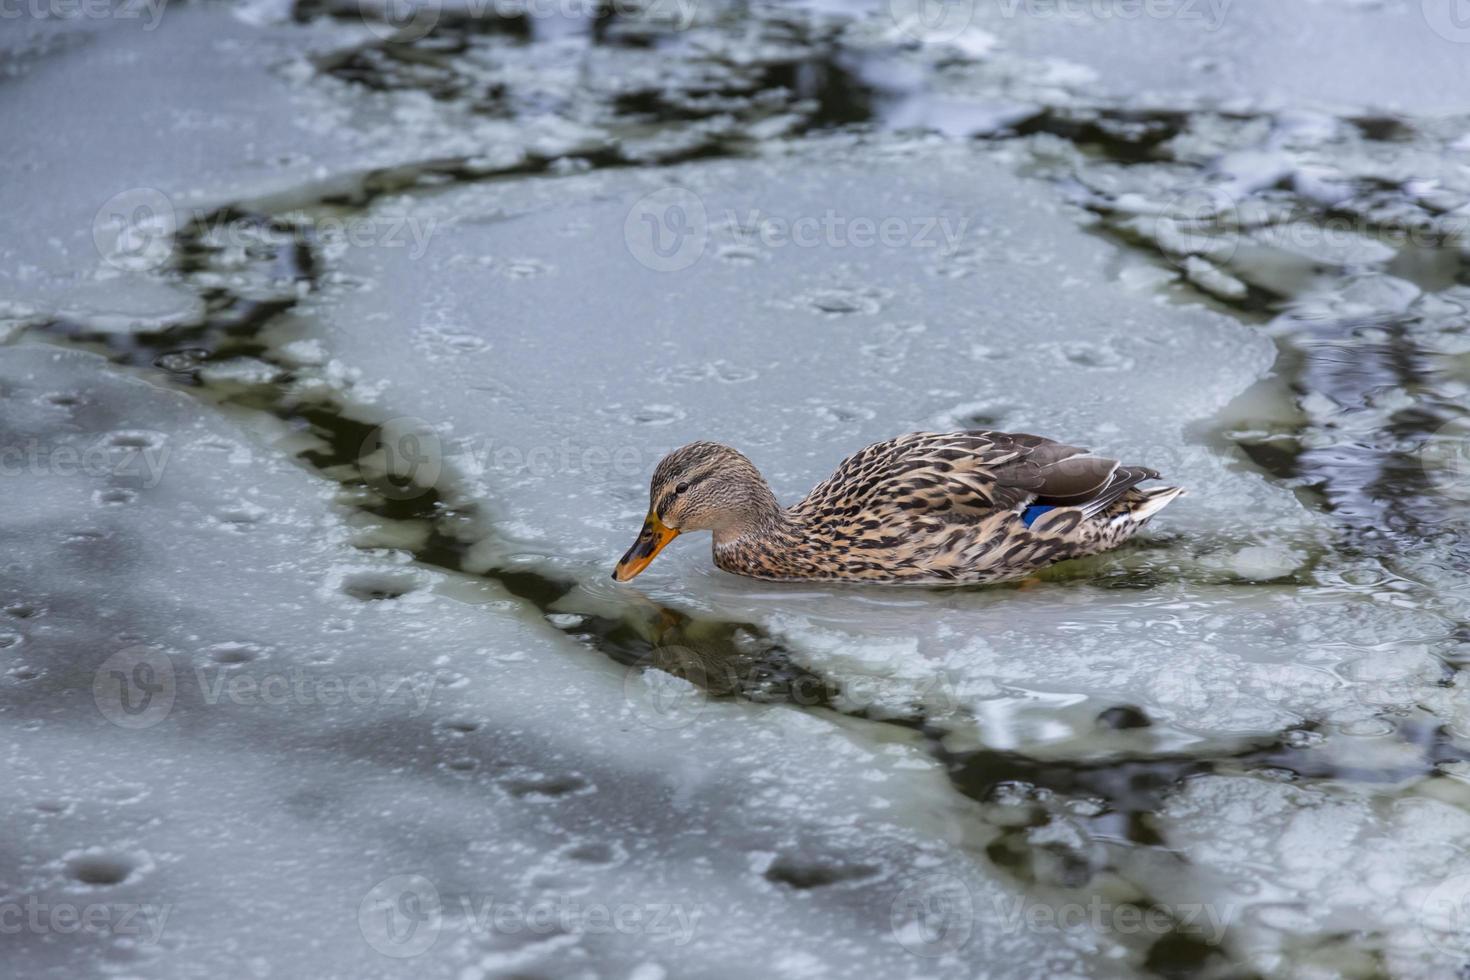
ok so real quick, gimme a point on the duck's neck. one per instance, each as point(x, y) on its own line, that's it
point(762, 541)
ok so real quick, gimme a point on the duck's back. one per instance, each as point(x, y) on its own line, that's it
point(953, 507)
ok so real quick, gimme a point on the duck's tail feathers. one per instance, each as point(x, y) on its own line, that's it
point(1117, 485)
point(1152, 501)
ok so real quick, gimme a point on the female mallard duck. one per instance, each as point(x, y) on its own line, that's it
point(929, 507)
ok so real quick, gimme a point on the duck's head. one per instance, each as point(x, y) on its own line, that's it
point(703, 486)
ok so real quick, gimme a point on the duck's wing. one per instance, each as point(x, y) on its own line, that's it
point(967, 475)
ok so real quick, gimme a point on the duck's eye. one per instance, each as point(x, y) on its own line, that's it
point(681, 488)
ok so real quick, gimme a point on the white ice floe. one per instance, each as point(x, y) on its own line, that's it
point(1405, 56)
point(240, 713)
point(272, 751)
point(1300, 864)
point(877, 340)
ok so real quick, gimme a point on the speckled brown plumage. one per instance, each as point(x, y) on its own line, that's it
point(927, 507)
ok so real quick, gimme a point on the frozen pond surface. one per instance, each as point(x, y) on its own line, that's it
point(338, 360)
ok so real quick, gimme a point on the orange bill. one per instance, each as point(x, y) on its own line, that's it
point(651, 541)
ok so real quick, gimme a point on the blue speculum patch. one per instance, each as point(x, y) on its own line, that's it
point(1030, 514)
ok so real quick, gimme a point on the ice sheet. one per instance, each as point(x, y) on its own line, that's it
point(998, 327)
point(304, 737)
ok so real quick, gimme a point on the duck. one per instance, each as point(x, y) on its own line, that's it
point(927, 508)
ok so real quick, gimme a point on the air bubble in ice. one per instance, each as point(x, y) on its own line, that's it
point(116, 497)
point(101, 868)
point(544, 787)
point(376, 586)
point(235, 654)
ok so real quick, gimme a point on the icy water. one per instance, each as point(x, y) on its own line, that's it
point(339, 344)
